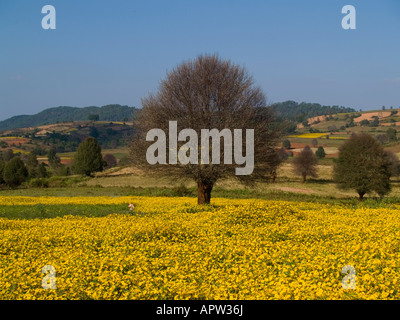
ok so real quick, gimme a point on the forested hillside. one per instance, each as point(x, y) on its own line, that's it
point(300, 112)
point(112, 112)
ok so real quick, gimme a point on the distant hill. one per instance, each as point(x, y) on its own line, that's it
point(300, 112)
point(112, 112)
point(286, 111)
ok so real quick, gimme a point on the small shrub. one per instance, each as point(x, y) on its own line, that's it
point(320, 153)
point(39, 183)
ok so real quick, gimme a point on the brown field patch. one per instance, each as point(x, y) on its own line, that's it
point(296, 145)
point(314, 120)
point(389, 124)
point(369, 116)
point(15, 141)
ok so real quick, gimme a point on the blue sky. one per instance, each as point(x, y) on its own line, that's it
point(104, 52)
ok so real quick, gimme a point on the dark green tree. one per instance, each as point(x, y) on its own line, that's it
point(374, 122)
point(93, 117)
point(41, 171)
point(32, 164)
point(31, 160)
point(363, 165)
point(54, 160)
point(15, 172)
point(365, 122)
point(320, 153)
point(93, 132)
point(286, 144)
point(3, 144)
point(88, 158)
point(55, 164)
point(7, 155)
point(2, 165)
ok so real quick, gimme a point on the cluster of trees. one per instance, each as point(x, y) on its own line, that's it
point(363, 165)
point(300, 112)
point(370, 123)
point(389, 136)
point(61, 142)
point(108, 135)
point(13, 172)
point(16, 169)
point(89, 159)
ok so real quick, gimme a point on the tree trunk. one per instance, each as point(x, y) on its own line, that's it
point(361, 196)
point(204, 192)
point(304, 177)
point(273, 176)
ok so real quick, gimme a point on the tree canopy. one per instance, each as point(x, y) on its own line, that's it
point(88, 158)
point(14, 172)
point(363, 165)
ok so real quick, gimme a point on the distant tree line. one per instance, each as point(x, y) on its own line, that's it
point(300, 112)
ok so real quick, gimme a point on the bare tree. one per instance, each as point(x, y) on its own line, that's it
point(314, 142)
point(207, 93)
point(275, 159)
point(305, 164)
point(283, 155)
point(110, 161)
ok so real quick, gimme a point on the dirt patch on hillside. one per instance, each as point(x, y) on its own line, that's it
point(369, 116)
point(314, 120)
point(15, 141)
point(317, 119)
point(125, 171)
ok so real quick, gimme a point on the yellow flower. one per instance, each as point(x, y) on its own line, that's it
point(233, 249)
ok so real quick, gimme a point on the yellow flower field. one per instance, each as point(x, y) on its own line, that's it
point(168, 248)
point(309, 135)
point(29, 201)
